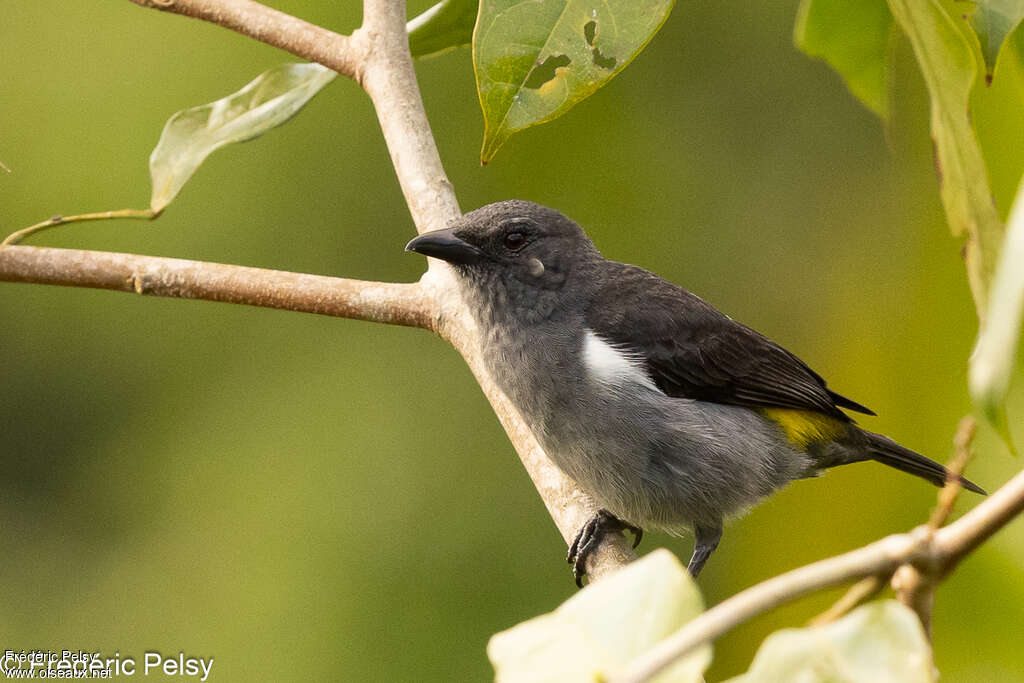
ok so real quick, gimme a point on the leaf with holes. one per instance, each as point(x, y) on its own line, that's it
point(882, 643)
point(193, 134)
point(445, 26)
point(605, 626)
point(535, 60)
point(993, 21)
point(854, 38)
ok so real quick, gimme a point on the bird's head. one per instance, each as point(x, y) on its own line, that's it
point(514, 246)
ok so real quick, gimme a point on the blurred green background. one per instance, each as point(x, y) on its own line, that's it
point(310, 498)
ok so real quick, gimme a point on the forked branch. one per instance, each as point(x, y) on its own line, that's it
point(932, 552)
point(377, 56)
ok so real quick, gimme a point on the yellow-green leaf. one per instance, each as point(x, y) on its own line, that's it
point(853, 37)
point(993, 21)
point(193, 134)
point(949, 69)
point(604, 626)
point(878, 643)
point(993, 361)
point(535, 60)
point(445, 26)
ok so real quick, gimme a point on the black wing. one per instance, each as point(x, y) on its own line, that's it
point(693, 350)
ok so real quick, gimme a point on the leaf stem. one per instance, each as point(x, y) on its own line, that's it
point(54, 221)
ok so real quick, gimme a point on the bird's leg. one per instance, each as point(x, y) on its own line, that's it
point(707, 538)
point(590, 536)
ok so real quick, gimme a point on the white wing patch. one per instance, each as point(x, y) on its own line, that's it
point(611, 365)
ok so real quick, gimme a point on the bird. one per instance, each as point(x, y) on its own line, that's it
point(667, 412)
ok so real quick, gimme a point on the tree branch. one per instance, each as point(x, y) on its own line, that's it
point(932, 552)
point(962, 537)
point(878, 557)
point(568, 505)
point(390, 80)
point(272, 27)
point(377, 56)
point(385, 302)
point(916, 588)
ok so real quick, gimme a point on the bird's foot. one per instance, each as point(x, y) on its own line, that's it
point(590, 537)
point(706, 540)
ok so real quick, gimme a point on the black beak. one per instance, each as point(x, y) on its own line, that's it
point(443, 244)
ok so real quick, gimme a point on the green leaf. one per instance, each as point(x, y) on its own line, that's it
point(445, 26)
point(993, 360)
point(993, 21)
point(854, 38)
point(535, 60)
point(948, 65)
point(878, 643)
point(604, 626)
point(192, 134)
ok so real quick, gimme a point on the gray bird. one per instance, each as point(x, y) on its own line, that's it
point(670, 414)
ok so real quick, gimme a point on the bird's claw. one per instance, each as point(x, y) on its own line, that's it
point(590, 537)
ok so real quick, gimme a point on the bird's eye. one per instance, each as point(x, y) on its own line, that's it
point(514, 241)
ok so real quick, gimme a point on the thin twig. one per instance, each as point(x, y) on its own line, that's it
point(858, 594)
point(17, 237)
point(954, 468)
point(915, 586)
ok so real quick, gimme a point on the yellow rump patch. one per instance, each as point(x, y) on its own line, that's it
point(804, 427)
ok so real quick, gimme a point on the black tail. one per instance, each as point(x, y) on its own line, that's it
point(888, 452)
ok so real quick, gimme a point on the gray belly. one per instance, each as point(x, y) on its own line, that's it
point(670, 463)
point(650, 459)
